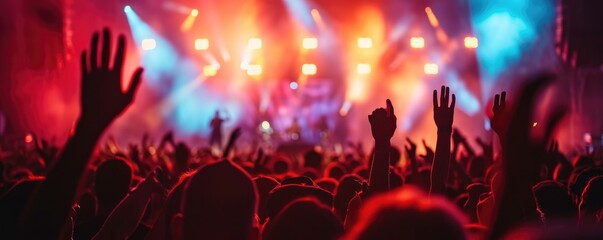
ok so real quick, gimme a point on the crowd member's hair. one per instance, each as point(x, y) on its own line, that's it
point(580, 179)
point(111, 183)
point(264, 185)
point(220, 202)
point(408, 213)
point(553, 201)
point(285, 194)
point(592, 199)
point(305, 218)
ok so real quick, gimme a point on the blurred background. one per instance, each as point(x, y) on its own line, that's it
point(324, 65)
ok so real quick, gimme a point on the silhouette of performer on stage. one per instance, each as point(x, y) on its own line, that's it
point(216, 130)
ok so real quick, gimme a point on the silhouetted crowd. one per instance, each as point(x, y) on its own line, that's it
point(527, 190)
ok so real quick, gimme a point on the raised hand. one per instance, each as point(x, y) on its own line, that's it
point(102, 98)
point(231, 141)
point(443, 114)
point(500, 114)
point(411, 149)
point(429, 153)
point(383, 123)
point(383, 126)
point(487, 150)
point(411, 152)
point(457, 137)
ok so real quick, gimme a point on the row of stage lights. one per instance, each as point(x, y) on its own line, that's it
point(307, 69)
point(307, 43)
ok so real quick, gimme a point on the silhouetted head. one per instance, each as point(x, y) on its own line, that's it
point(394, 156)
point(304, 218)
point(348, 187)
point(310, 173)
point(583, 161)
point(281, 165)
point(313, 159)
point(395, 180)
point(264, 185)
point(592, 198)
point(420, 179)
point(408, 213)
point(553, 201)
point(181, 157)
point(13, 205)
point(283, 195)
point(328, 184)
point(580, 179)
point(362, 171)
point(220, 202)
point(335, 170)
point(111, 184)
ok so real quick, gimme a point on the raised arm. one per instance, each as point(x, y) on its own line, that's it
point(102, 100)
point(411, 153)
point(522, 159)
point(383, 126)
point(127, 214)
point(500, 117)
point(443, 115)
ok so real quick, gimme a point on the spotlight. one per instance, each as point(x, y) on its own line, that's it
point(417, 42)
point(127, 9)
point(293, 85)
point(431, 69)
point(254, 70)
point(201, 44)
point(254, 43)
point(363, 68)
point(194, 12)
point(210, 70)
point(471, 42)
point(309, 69)
point(28, 138)
point(148, 44)
point(265, 125)
point(365, 42)
point(310, 43)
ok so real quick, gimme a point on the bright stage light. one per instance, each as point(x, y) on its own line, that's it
point(310, 43)
point(28, 138)
point(254, 70)
point(417, 42)
point(363, 68)
point(471, 42)
point(201, 44)
point(365, 42)
point(127, 9)
point(194, 12)
point(265, 125)
point(433, 20)
point(431, 69)
point(148, 44)
point(210, 70)
point(293, 85)
point(309, 69)
point(254, 43)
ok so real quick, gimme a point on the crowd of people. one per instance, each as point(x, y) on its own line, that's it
point(527, 190)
